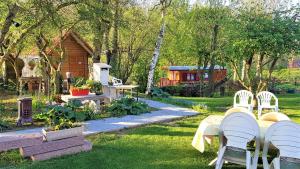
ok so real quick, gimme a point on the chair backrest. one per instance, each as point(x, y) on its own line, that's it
point(116, 82)
point(285, 136)
point(244, 96)
point(264, 99)
point(239, 129)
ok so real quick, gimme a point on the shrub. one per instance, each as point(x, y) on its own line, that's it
point(189, 90)
point(285, 87)
point(79, 83)
point(2, 107)
point(157, 92)
point(3, 126)
point(200, 107)
point(94, 86)
point(61, 117)
point(10, 85)
point(173, 90)
point(127, 106)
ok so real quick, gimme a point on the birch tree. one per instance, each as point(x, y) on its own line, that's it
point(164, 4)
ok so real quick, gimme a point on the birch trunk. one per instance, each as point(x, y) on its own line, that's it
point(155, 57)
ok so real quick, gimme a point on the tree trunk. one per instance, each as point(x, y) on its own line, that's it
point(98, 41)
point(114, 53)
point(56, 81)
point(211, 87)
point(106, 44)
point(243, 71)
point(12, 11)
point(155, 57)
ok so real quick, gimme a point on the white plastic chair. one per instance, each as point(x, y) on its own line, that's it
point(116, 82)
point(239, 109)
point(285, 136)
point(264, 99)
point(236, 131)
point(245, 99)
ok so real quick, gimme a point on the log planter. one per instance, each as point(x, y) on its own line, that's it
point(62, 134)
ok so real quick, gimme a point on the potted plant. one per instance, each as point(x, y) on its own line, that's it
point(79, 88)
point(60, 124)
point(31, 64)
point(95, 87)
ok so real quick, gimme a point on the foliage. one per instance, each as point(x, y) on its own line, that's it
point(173, 90)
point(10, 85)
point(2, 107)
point(256, 40)
point(157, 92)
point(287, 87)
point(190, 90)
point(80, 83)
point(127, 106)
point(94, 86)
point(3, 126)
point(287, 75)
point(66, 116)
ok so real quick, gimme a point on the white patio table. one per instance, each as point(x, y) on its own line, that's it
point(209, 128)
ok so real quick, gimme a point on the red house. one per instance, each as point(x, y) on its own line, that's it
point(188, 74)
point(294, 63)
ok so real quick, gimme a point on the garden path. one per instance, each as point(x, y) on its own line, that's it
point(166, 112)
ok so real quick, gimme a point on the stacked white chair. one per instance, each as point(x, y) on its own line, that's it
point(236, 131)
point(285, 136)
point(243, 98)
point(264, 100)
point(116, 82)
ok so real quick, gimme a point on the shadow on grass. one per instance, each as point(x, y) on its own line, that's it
point(161, 131)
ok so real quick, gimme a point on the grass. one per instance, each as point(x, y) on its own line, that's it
point(157, 146)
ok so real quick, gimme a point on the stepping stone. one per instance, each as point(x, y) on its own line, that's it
point(72, 150)
point(49, 146)
point(18, 141)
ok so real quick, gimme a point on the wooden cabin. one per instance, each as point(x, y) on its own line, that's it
point(77, 53)
point(188, 74)
point(76, 60)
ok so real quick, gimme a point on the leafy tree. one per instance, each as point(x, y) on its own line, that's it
point(259, 39)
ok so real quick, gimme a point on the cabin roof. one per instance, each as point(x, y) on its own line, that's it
point(79, 40)
point(186, 68)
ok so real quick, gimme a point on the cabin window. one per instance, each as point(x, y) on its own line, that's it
point(190, 76)
point(206, 75)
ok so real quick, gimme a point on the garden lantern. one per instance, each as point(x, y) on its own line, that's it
point(24, 111)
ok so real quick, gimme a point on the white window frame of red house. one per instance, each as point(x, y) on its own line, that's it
point(190, 77)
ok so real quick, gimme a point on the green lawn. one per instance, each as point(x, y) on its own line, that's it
point(158, 146)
